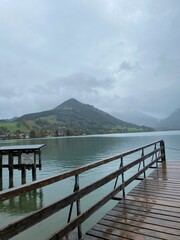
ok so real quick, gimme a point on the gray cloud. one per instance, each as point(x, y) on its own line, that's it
point(116, 55)
point(127, 66)
point(80, 82)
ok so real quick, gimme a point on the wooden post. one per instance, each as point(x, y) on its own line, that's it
point(1, 173)
point(23, 174)
point(163, 154)
point(19, 160)
point(40, 161)
point(34, 168)
point(10, 159)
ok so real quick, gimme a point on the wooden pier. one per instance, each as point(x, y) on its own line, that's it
point(151, 210)
point(20, 157)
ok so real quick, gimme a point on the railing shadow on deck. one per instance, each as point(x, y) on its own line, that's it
point(145, 157)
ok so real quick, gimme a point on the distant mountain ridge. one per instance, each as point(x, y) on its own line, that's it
point(69, 118)
point(79, 116)
point(75, 118)
point(172, 122)
point(138, 118)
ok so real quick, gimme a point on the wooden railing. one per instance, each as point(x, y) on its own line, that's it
point(150, 156)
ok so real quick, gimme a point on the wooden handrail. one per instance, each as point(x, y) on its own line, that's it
point(34, 218)
point(10, 193)
point(80, 219)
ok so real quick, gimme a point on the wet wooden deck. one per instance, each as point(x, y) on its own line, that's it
point(150, 211)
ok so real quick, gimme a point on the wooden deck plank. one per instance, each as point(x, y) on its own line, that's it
point(157, 187)
point(163, 205)
point(150, 211)
point(151, 190)
point(135, 222)
point(139, 217)
point(73, 236)
point(125, 231)
point(106, 230)
point(103, 235)
point(157, 184)
point(157, 196)
point(157, 214)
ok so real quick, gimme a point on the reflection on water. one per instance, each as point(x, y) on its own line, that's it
point(14, 209)
point(24, 203)
point(62, 154)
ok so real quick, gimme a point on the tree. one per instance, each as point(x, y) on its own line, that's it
point(32, 134)
point(56, 133)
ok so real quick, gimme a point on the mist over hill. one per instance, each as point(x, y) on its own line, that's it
point(138, 118)
point(172, 122)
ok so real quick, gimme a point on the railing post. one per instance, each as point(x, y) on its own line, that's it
point(156, 155)
point(163, 154)
point(122, 177)
point(124, 193)
point(120, 166)
point(78, 205)
point(142, 155)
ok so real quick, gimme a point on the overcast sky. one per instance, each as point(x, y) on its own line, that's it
point(114, 54)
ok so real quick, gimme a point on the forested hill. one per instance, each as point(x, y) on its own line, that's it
point(73, 114)
point(73, 117)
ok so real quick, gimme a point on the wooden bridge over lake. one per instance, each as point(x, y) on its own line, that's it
point(151, 210)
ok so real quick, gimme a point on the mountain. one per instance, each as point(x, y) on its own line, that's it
point(74, 116)
point(172, 122)
point(138, 118)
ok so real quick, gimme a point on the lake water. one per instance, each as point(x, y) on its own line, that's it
point(65, 153)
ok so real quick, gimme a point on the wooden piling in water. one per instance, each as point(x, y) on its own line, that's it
point(10, 162)
point(40, 161)
point(34, 168)
point(23, 174)
point(1, 173)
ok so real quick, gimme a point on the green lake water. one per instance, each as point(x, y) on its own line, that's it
point(66, 153)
